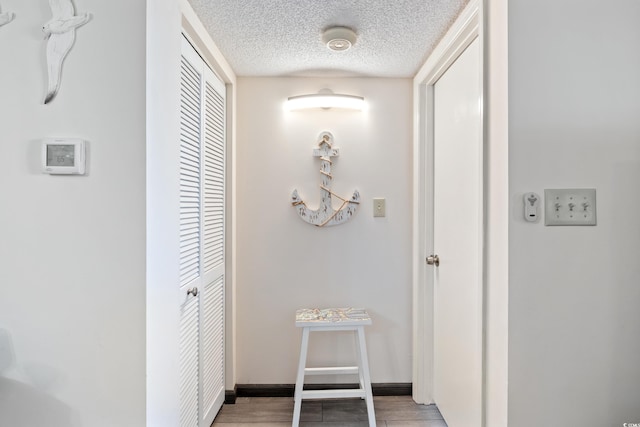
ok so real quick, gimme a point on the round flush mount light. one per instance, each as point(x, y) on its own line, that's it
point(339, 38)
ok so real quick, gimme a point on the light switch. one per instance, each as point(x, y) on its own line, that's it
point(379, 207)
point(570, 206)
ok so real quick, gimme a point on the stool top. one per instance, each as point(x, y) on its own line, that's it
point(332, 317)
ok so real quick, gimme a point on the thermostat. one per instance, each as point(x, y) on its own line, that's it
point(63, 156)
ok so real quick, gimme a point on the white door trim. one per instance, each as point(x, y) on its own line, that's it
point(462, 33)
point(198, 36)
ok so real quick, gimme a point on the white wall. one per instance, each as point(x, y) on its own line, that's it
point(284, 263)
point(574, 109)
point(72, 249)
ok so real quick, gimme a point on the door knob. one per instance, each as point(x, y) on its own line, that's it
point(433, 260)
point(193, 291)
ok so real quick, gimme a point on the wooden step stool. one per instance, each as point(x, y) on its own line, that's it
point(328, 320)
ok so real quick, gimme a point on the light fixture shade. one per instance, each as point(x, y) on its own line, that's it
point(325, 100)
point(339, 38)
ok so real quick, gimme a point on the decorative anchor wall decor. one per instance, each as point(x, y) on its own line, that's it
point(325, 214)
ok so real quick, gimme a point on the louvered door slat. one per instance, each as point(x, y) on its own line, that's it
point(190, 107)
point(189, 127)
point(191, 144)
point(213, 179)
point(190, 167)
point(190, 202)
point(190, 170)
point(189, 360)
point(190, 77)
point(212, 342)
point(216, 133)
point(189, 159)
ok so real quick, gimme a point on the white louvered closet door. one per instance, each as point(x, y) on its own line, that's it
point(202, 231)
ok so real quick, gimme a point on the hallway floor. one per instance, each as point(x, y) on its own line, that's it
point(391, 411)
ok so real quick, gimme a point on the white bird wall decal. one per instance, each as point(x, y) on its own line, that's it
point(61, 33)
point(5, 18)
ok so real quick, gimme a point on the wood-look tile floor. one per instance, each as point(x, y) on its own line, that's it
point(391, 411)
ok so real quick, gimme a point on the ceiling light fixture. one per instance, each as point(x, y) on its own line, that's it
point(325, 99)
point(339, 38)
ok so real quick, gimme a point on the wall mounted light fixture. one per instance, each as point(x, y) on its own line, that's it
point(325, 99)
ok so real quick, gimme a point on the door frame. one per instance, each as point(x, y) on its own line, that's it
point(193, 29)
point(165, 25)
point(462, 33)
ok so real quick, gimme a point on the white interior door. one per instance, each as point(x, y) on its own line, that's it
point(202, 240)
point(458, 207)
point(212, 253)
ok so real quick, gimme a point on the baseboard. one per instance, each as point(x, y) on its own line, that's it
point(230, 396)
point(392, 389)
point(286, 390)
point(265, 390)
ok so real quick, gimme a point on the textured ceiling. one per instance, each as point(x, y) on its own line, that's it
point(283, 37)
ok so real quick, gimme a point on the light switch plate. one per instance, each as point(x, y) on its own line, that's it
point(575, 206)
point(379, 207)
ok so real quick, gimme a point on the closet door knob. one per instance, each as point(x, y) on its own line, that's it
point(433, 260)
point(193, 291)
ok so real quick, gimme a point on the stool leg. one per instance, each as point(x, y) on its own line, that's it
point(297, 406)
point(359, 362)
point(364, 364)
